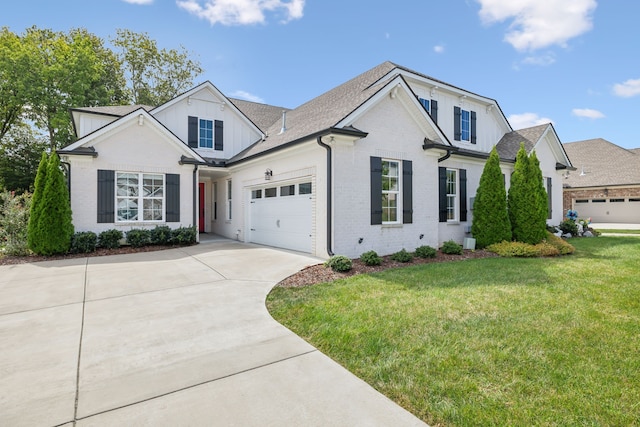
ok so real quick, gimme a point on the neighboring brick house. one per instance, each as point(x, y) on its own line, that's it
point(606, 183)
point(390, 159)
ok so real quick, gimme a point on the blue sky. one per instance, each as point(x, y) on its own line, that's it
point(575, 63)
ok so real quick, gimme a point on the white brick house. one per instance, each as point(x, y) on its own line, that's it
point(388, 160)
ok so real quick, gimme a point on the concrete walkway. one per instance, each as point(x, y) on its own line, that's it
point(178, 337)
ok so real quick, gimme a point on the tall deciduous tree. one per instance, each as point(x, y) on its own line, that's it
point(15, 68)
point(20, 151)
point(69, 70)
point(34, 236)
point(154, 75)
point(490, 217)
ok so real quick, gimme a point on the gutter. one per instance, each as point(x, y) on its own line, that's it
point(428, 144)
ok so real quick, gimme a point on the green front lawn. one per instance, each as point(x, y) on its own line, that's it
point(496, 341)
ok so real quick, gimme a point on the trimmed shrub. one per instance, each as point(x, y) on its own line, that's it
point(426, 252)
point(402, 256)
point(564, 247)
point(139, 237)
point(569, 226)
point(161, 235)
point(110, 239)
point(339, 263)
point(54, 227)
point(183, 236)
point(83, 242)
point(452, 248)
point(371, 258)
point(513, 249)
point(34, 236)
point(490, 217)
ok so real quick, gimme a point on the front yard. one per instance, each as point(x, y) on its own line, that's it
point(495, 341)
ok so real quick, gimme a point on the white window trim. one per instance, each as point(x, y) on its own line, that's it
point(229, 204)
point(456, 205)
point(141, 198)
point(213, 134)
point(397, 192)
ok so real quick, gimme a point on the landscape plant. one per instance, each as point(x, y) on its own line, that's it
point(83, 242)
point(452, 248)
point(35, 238)
point(402, 256)
point(491, 222)
point(110, 239)
point(14, 220)
point(139, 237)
point(425, 251)
point(339, 263)
point(54, 226)
point(371, 258)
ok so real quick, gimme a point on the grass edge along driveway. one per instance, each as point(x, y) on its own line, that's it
point(546, 341)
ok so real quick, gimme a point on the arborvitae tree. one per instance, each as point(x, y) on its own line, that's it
point(541, 208)
point(490, 218)
point(520, 201)
point(55, 221)
point(34, 238)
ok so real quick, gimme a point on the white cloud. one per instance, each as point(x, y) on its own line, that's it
point(587, 113)
point(527, 120)
point(627, 89)
point(542, 60)
point(241, 12)
point(138, 1)
point(438, 48)
point(247, 96)
point(536, 24)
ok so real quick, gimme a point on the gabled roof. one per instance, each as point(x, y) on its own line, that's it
point(509, 144)
point(82, 146)
point(112, 110)
point(324, 112)
point(601, 163)
point(263, 115)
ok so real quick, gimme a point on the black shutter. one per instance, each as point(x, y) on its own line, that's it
point(473, 127)
point(456, 123)
point(549, 198)
point(376, 190)
point(407, 192)
point(442, 193)
point(219, 135)
point(434, 110)
point(463, 195)
point(192, 137)
point(172, 207)
point(106, 196)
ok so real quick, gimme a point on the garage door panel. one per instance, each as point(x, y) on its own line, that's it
point(283, 222)
point(616, 212)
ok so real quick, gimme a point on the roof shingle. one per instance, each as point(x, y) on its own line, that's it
point(601, 163)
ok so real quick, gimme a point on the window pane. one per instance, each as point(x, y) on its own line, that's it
point(256, 194)
point(206, 133)
point(152, 186)
point(152, 210)
point(288, 190)
point(304, 188)
point(127, 209)
point(465, 126)
point(270, 192)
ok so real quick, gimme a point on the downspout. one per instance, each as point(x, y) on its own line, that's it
point(329, 196)
point(195, 194)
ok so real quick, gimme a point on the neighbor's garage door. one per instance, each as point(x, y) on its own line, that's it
point(281, 216)
point(616, 210)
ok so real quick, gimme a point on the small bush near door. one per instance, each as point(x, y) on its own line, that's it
point(110, 239)
point(339, 263)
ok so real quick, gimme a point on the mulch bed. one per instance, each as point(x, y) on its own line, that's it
point(320, 273)
point(11, 260)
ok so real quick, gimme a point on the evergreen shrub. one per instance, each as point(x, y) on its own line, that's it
point(371, 258)
point(452, 248)
point(402, 256)
point(426, 251)
point(83, 242)
point(339, 263)
point(110, 239)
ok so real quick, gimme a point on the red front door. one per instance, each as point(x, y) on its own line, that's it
point(201, 207)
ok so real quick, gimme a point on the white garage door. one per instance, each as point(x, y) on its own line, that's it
point(616, 210)
point(281, 216)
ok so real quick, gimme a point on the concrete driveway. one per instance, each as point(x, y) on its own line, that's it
point(178, 337)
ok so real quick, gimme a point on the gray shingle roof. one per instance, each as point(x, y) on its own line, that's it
point(262, 115)
point(509, 144)
point(323, 112)
point(601, 163)
point(114, 110)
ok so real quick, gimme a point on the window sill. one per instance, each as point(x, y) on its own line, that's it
point(453, 222)
point(392, 225)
